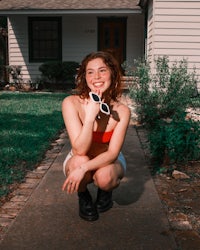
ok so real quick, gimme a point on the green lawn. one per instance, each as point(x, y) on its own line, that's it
point(29, 122)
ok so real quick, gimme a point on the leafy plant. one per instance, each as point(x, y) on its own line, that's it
point(162, 96)
point(59, 71)
point(52, 71)
point(69, 70)
point(178, 140)
point(15, 72)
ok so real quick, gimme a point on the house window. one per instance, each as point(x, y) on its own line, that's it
point(45, 39)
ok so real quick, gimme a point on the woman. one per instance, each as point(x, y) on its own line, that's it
point(96, 122)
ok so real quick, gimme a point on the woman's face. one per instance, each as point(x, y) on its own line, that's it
point(98, 76)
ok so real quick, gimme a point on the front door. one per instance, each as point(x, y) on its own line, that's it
point(112, 37)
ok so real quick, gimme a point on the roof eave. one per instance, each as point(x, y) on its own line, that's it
point(66, 12)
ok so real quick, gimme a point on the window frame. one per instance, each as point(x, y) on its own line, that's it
point(30, 36)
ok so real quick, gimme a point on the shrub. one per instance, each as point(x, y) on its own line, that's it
point(69, 70)
point(178, 140)
point(164, 94)
point(52, 71)
point(162, 98)
point(15, 72)
point(55, 72)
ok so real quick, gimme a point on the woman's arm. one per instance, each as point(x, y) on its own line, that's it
point(115, 144)
point(80, 132)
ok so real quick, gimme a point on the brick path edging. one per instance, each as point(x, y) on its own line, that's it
point(10, 210)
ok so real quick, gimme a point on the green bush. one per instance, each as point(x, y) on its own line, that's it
point(55, 72)
point(164, 94)
point(162, 98)
point(69, 70)
point(178, 140)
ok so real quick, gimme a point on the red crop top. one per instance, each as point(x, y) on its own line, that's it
point(102, 137)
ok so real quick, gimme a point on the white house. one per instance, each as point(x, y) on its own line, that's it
point(173, 29)
point(42, 30)
point(67, 30)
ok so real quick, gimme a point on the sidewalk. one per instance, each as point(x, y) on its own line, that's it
point(49, 219)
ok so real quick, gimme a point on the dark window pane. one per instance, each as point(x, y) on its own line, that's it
point(45, 39)
point(107, 37)
point(116, 37)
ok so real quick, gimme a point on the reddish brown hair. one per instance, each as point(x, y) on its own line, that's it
point(115, 89)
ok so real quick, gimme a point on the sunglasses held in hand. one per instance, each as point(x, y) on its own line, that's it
point(103, 106)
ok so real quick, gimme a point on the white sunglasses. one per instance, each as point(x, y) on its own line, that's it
point(103, 106)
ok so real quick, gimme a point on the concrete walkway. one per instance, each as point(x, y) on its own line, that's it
point(49, 218)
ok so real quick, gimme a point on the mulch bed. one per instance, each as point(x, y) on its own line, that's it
point(181, 202)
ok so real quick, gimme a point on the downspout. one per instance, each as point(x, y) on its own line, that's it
point(144, 6)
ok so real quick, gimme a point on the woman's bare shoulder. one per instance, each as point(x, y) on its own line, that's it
point(122, 108)
point(72, 99)
point(71, 103)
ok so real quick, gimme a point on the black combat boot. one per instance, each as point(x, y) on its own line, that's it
point(87, 210)
point(104, 200)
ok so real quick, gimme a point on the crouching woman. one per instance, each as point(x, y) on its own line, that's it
point(96, 122)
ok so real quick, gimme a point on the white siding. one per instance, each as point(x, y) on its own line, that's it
point(79, 37)
point(174, 30)
point(150, 30)
point(135, 37)
point(18, 47)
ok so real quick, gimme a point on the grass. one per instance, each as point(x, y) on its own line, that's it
point(29, 122)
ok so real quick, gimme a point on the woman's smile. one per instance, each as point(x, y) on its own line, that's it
point(98, 84)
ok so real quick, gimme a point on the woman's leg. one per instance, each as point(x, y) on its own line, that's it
point(87, 210)
point(107, 179)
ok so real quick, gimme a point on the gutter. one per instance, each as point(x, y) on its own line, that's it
point(143, 3)
point(68, 12)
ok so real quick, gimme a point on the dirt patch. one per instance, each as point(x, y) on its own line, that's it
point(181, 202)
point(180, 198)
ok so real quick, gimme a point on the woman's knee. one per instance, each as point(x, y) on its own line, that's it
point(105, 179)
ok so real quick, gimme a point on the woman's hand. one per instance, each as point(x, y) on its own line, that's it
point(91, 110)
point(73, 180)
